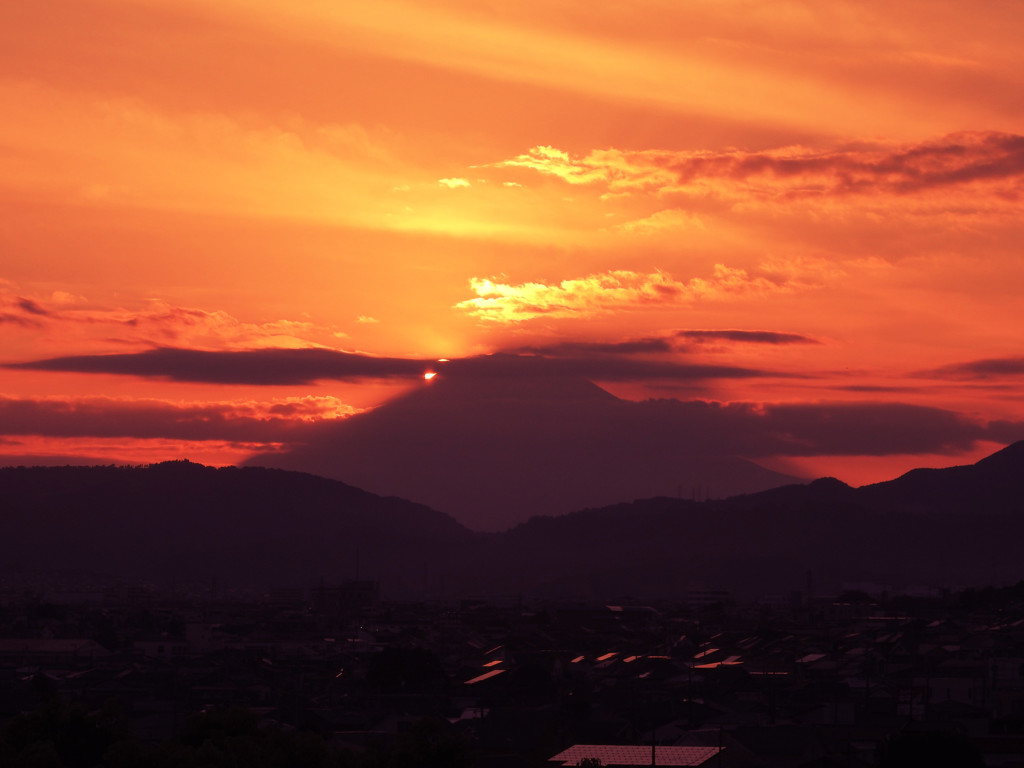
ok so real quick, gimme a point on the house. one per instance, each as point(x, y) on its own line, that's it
point(629, 755)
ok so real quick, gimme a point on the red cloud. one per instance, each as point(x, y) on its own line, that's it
point(250, 421)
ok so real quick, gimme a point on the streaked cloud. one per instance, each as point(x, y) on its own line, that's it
point(200, 161)
point(275, 367)
point(668, 220)
point(102, 417)
point(19, 310)
point(31, 307)
point(744, 337)
point(597, 366)
point(677, 426)
point(965, 162)
point(990, 368)
point(655, 345)
point(709, 59)
point(610, 291)
point(258, 366)
point(155, 322)
point(665, 344)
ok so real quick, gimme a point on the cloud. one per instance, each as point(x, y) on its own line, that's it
point(250, 421)
point(819, 71)
point(745, 337)
point(662, 344)
point(31, 307)
point(686, 427)
point(306, 366)
point(199, 161)
point(158, 323)
point(990, 159)
point(554, 162)
point(594, 367)
point(18, 310)
point(17, 319)
point(258, 366)
point(855, 428)
point(990, 368)
point(454, 183)
point(581, 348)
point(866, 429)
point(660, 221)
point(606, 292)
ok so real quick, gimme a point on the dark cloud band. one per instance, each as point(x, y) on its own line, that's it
point(990, 368)
point(664, 427)
point(306, 366)
point(259, 367)
point(746, 337)
point(110, 418)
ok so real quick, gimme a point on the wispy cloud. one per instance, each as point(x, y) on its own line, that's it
point(31, 307)
point(990, 368)
point(744, 337)
point(668, 343)
point(272, 367)
point(18, 310)
point(646, 346)
point(990, 160)
point(102, 417)
point(605, 292)
point(596, 366)
point(256, 366)
point(155, 322)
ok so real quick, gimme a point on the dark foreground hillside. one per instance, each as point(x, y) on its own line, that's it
point(179, 521)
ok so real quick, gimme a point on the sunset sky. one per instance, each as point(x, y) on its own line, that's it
point(225, 223)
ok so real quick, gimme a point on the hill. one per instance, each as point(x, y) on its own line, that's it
point(180, 521)
point(957, 526)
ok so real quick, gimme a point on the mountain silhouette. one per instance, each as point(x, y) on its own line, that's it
point(956, 526)
point(992, 485)
point(181, 522)
point(178, 521)
point(495, 450)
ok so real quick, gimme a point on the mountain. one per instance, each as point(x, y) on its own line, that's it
point(179, 521)
point(992, 485)
point(938, 527)
point(494, 451)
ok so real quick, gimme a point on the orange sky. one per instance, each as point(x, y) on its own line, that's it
point(839, 181)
